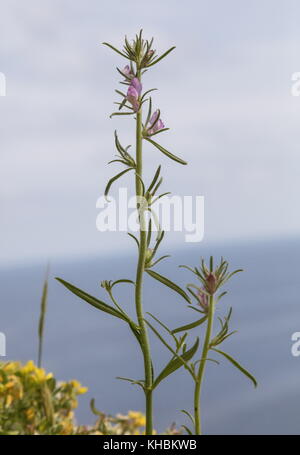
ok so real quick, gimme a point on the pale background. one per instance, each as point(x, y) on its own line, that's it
point(224, 92)
point(226, 95)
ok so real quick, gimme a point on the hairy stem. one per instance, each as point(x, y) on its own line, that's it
point(200, 375)
point(139, 278)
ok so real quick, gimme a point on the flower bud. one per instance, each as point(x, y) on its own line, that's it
point(211, 283)
point(148, 256)
point(127, 72)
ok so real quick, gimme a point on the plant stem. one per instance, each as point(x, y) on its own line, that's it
point(42, 318)
point(200, 375)
point(139, 277)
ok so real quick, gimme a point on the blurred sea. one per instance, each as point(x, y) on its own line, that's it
point(93, 347)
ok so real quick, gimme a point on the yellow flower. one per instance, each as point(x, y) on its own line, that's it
point(67, 428)
point(30, 413)
point(41, 376)
point(11, 367)
point(29, 367)
point(79, 389)
point(138, 418)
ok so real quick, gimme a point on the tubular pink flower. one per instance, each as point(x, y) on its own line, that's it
point(155, 125)
point(203, 300)
point(133, 93)
point(133, 98)
point(137, 85)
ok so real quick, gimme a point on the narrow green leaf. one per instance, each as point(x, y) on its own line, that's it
point(190, 326)
point(147, 92)
point(161, 57)
point(132, 381)
point(187, 430)
point(139, 178)
point(176, 363)
point(187, 413)
point(92, 300)
point(116, 50)
point(163, 326)
point(134, 238)
point(175, 353)
point(121, 113)
point(160, 259)
point(94, 409)
point(149, 111)
point(237, 365)
point(113, 179)
point(166, 152)
point(155, 178)
point(118, 161)
point(42, 317)
point(120, 93)
point(169, 283)
point(149, 233)
point(122, 281)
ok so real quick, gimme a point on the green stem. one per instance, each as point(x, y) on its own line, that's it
point(139, 278)
point(200, 375)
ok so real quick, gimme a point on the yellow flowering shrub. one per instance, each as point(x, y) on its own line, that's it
point(33, 402)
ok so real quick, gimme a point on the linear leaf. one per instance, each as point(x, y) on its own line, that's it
point(134, 238)
point(166, 152)
point(161, 57)
point(122, 281)
point(42, 317)
point(116, 50)
point(176, 363)
point(92, 300)
point(237, 365)
point(169, 283)
point(187, 430)
point(121, 113)
point(187, 413)
point(113, 179)
point(190, 326)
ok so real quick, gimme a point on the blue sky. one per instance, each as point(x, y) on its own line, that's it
point(224, 92)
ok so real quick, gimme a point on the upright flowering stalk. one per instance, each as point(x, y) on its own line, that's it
point(141, 57)
point(205, 296)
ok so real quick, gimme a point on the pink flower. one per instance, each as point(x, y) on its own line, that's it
point(133, 93)
point(156, 124)
point(203, 299)
point(127, 72)
point(137, 85)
